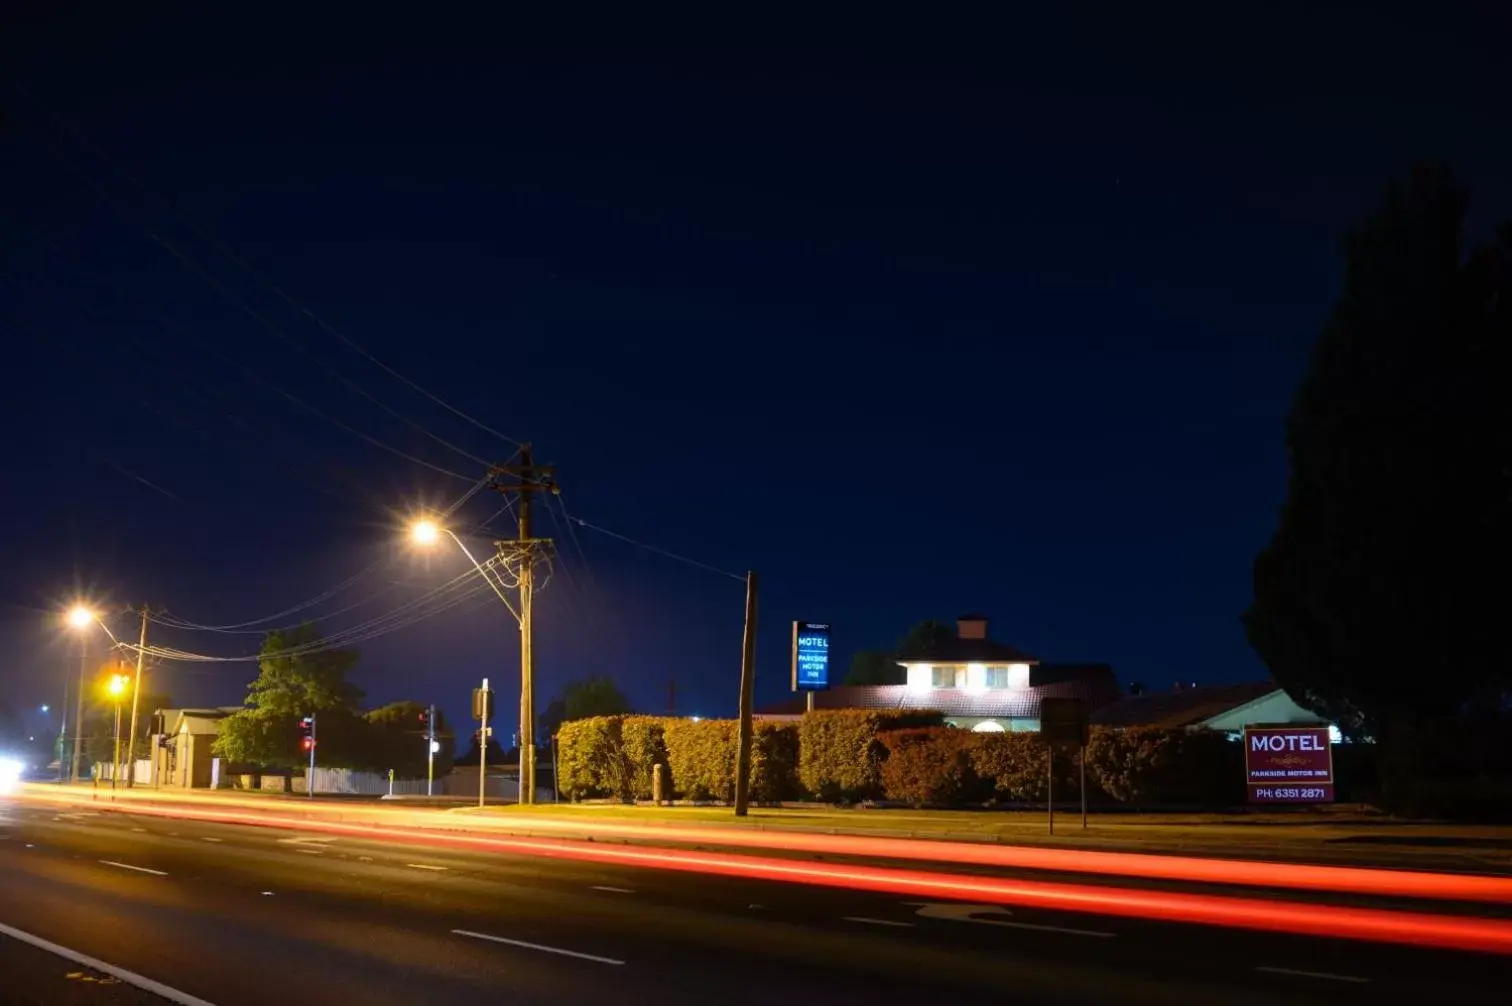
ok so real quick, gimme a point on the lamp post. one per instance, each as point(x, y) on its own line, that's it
point(117, 689)
point(426, 533)
point(79, 618)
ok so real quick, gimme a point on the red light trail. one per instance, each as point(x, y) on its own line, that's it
point(1485, 935)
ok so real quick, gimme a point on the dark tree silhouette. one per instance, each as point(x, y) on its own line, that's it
point(1381, 600)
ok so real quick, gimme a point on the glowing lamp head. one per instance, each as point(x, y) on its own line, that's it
point(118, 685)
point(80, 617)
point(424, 532)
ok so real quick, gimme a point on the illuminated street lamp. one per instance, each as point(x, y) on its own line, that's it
point(426, 532)
point(116, 687)
point(79, 618)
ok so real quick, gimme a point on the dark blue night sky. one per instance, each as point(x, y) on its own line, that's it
point(999, 317)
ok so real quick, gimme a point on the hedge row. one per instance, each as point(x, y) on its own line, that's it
point(850, 755)
point(612, 756)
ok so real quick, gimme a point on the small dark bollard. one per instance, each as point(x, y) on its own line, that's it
point(657, 773)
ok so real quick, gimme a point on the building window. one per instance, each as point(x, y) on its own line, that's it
point(997, 677)
point(948, 677)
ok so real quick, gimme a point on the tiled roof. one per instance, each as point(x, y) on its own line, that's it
point(1097, 688)
point(1184, 708)
point(970, 651)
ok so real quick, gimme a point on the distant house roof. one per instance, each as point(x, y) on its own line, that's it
point(198, 721)
point(969, 651)
point(1183, 708)
point(1096, 685)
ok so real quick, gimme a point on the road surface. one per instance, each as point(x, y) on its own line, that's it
point(235, 914)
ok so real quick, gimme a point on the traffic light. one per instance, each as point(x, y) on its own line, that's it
point(307, 734)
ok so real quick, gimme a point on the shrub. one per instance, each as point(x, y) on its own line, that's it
point(1156, 765)
point(702, 757)
point(1013, 763)
point(643, 744)
point(774, 762)
point(841, 754)
point(930, 765)
point(591, 758)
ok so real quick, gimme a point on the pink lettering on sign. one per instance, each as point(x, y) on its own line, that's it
point(1288, 764)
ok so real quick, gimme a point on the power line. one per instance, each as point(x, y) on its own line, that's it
point(659, 551)
point(79, 137)
point(271, 327)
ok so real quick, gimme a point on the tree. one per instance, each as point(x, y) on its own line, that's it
point(1376, 603)
point(496, 754)
point(297, 677)
point(925, 636)
point(877, 667)
point(260, 737)
point(874, 667)
point(593, 696)
point(399, 736)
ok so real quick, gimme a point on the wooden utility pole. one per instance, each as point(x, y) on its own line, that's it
point(529, 479)
point(747, 690)
point(136, 695)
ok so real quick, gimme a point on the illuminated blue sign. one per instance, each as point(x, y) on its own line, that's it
point(811, 656)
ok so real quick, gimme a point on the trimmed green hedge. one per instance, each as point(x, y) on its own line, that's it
point(840, 751)
point(612, 757)
point(852, 754)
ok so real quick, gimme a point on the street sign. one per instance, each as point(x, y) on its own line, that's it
point(811, 656)
point(1064, 723)
point(482, 703)
point(1287, 764)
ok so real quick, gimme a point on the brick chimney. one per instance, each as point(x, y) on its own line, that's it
point(972, 626)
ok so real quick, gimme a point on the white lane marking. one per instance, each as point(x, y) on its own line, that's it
point(311, 852)
point(207, 838)
point(267, 894)
point(140, 831)
point(536, 946)
point(364, 859)
point(957, 912)
point(425, 866)
point(613, 890)
point(1355, 979)
point(129, 977)
point(307, 840)
point(128, 866)
point(877, 922)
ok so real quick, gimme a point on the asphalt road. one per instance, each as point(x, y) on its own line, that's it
point(235, 914)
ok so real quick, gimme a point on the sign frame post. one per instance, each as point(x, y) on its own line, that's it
point(1064, 723)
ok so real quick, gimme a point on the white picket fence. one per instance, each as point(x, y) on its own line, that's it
point(142, 773)
point(345, 781)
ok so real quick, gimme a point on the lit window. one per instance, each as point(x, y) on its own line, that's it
point(948, 677)
point(997, 677)
point(988, 727)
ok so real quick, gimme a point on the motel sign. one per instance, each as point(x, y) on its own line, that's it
point(1287, 764)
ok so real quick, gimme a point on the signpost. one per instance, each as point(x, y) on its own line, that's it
point(811, 658)
point(1064, 724)
point(1288, 764)
point(482, 705)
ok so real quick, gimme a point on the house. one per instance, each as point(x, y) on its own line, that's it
point(182, 751)
point(1213, 707)
point(977, 682)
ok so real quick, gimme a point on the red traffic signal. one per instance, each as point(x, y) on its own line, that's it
point(307, 744)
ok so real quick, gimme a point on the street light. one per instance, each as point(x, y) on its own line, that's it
point(117, 689)
point(79, 618)
point(426, 532)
